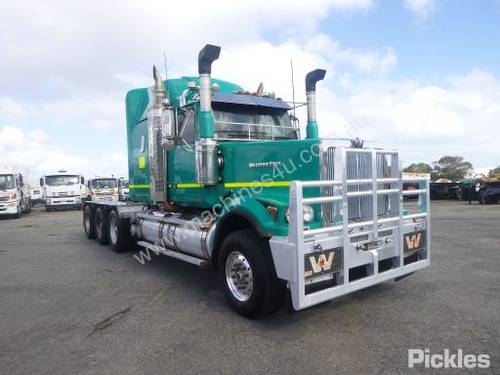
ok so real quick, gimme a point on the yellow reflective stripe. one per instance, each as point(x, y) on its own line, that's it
point(192, 185)
point(188, 185)
point(142, 162)
point(257, 184)
point(138, 186)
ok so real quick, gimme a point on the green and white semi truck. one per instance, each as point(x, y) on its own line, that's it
point(220, 177)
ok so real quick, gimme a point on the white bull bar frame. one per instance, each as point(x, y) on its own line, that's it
point(289, 252)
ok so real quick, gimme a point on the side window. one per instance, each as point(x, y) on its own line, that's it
point(186, 128)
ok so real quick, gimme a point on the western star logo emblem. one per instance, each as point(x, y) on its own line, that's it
point(320, 263)
point(323, 263)
point(264, 164)
point(413, 241)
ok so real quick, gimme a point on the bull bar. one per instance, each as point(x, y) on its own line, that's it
point(289, 252)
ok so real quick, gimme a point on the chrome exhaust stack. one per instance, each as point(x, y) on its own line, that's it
point(206, 149)
point(160, 138)
point(311, 79)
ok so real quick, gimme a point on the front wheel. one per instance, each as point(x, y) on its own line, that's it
point(19, 211)
point(247, 273)
point(30, 205)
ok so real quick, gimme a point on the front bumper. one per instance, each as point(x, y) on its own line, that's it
point(105, 198)
point(8, 208)
point(60, 202)
point(386, 262)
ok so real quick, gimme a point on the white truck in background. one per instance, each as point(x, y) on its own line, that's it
point(36, 195)
point(123, 189)
point(15, 196)
point(103, 189)
point(62, 190)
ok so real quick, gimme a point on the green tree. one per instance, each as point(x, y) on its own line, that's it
point(451, 167)
point(418, 168)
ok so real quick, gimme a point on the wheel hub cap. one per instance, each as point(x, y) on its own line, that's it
point(239, 277)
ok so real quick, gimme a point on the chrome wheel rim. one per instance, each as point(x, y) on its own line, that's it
point(113, 230)
point(239, 277)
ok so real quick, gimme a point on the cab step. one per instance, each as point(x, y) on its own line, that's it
point(202, 263)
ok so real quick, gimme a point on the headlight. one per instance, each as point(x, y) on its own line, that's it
point(308, 214)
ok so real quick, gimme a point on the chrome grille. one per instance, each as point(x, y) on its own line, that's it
point(358, 167)
point(4, 199)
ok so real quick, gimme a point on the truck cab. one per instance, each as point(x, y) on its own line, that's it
point(62, 190)
point(223, 177)
point(103, 189)
point(15, 198)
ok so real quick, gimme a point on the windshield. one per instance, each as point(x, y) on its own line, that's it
point(61, 180)
point(7, 181)
point(252, 122)
point(104, 183)
point(125, 184)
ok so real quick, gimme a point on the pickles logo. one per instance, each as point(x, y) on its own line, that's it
point(413, 241)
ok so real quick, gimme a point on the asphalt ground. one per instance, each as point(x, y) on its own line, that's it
point(71, 306)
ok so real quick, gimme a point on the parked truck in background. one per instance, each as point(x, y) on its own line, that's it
point(103, 189)
point(123, 190)
point(36, 195)
point(62, 190)
point(221, 177)
point(15, 198)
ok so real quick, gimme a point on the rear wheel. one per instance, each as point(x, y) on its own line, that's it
point(101, 226)
point(119, 232)
point(89, 222)
point(247, 273)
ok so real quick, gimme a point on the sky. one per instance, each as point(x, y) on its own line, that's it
point(420, 76)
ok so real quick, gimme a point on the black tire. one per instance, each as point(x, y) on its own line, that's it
point(89, 222)
point(118, 232)
point(19, 212)
point(482, 199)
point(30, 205)
point(268, 291)
point(101, 226)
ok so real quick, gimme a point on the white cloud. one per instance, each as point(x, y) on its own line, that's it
point(35, 153)
point(365, 62)
point(423, 9)
point(423, 121)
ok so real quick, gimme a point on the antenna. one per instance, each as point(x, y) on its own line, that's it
point(165, 64)
point(293, 89)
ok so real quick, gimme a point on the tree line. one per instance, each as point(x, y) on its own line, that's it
point(453, 168)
